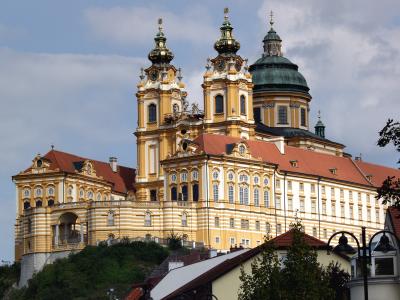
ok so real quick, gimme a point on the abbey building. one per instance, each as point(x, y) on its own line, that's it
point(243, 167)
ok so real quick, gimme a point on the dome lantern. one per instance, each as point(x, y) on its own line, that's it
point(320, 127)
point(226, 44)
point(160, 54)
point(272, 41)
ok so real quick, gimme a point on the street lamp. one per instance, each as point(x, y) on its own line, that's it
point(344, 248)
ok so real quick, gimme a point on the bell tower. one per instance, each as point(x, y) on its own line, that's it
point(160, 92)
point(227, 88)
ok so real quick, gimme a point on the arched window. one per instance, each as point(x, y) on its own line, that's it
point(90, 195)
point(266, 198)
point(27, 193)
point(174, 193)
point(38, 191)
point(195, 192)
point(241, 195)
point(50, 191)
point(147, 219)
point(256, 197)
point(152, 113)
point(242, 105)
point(27, 205)
point(215, 192)
point(184, 219)
point(110, 218)
point(246, 195)
point(231, 194)
point(219, 104)
point(39, 203)
point(257, 114)
point(50, 202)
point(98, 198)
point(175, 108)
point(184, 192)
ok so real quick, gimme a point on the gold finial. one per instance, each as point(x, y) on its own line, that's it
point(160, 24)
point(226, 11)
point(271, 18)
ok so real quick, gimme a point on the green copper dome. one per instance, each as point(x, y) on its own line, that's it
point(273, 72)
point(277, 73)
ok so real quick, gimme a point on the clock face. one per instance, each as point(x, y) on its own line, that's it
point(238, 66)
point(153, 75)
point(220, 65)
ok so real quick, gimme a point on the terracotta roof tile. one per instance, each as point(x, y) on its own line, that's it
point(308, 162)
point(379, 173)
point(286, 240)
point(122, 180)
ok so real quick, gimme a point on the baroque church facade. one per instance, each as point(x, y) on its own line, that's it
point(243, 168)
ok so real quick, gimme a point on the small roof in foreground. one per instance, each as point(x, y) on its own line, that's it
point(179, 277)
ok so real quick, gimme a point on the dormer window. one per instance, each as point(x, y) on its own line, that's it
point(369, 177)
point(333, 171)
point(39, 163)
point(294, 163)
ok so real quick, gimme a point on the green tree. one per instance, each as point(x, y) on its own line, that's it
point(390, 189)
point(298, 276)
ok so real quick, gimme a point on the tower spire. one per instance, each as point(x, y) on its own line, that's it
point(320, 127)
point(226, 44)
point(160, 54)
point(272, 41)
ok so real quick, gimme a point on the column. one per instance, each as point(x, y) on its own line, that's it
point(57, 235)
point(81, 231)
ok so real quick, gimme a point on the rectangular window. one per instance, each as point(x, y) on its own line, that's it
point(282, 115)
point(384, 266)
point(377, 216)
point(301, 187)
point(289, 185)
point(231, 194)
point(314, 231)
point(195, 191)
point(215, 192)
point(333, 208)
point(278, 228)
point(217, 239)
point(360, 213)
point(324, 207)
point(153, 195)
point(232, 241)
point(303, 117)
point(266, 198)
point(302, 208)
point(351, 211)
point(290, 204)
point(369, 214)
point(313, 206)
point(342, 210)
point(341, 194)
point(216, 221)
point(325, 233)
point(267, 227)
point(244, 224)
point(323, 190)
point(312, 188)
point(278, 184)
point(232, 223)
point(258, 225)
point(278, 202)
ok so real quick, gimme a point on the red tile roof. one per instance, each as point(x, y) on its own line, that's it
point(285, 240)
point(122, 180)
point(308, 162)
point(379, 173)
point(394, 217)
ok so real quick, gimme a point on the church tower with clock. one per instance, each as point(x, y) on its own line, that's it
point(227, 87)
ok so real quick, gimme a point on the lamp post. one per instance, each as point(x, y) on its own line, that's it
point(344, 248)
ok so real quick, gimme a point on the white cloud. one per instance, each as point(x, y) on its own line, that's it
point(135, 25)
point(84, 104)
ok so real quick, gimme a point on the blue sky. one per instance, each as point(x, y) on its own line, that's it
point(69, 69)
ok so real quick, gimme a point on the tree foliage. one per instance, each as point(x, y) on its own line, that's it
point(390, 189)
point(9, 275)
point(298, 276)
point(90, 273)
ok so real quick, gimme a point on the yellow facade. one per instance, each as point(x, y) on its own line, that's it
point(219, 200)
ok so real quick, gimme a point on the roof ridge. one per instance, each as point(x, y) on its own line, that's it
point(360, 171)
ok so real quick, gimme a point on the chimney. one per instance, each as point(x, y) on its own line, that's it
point(113, 163)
